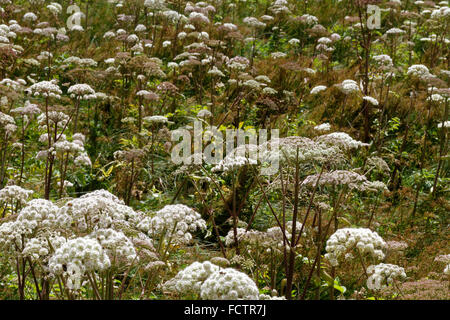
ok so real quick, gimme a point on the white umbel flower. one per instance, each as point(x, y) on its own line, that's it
point(382, 275)
point(418, 70)
point(173, 221)
point(341, 140)
point(229, 284)
point(371, 100)
point(45, 89)
point(317, 89)
point(345, 240)
point(81, 91)
point(349, 86)
point(323, 127)
point(189, 280)
point(14, 194)
point(76, 257)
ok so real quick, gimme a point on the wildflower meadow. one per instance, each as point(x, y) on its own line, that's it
point(224, 150)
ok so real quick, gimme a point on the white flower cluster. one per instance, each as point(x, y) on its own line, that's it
point(118, 247)
point(28, 109)
point(15, 85)
point(309, 151)
point(317, 89)
point(323, 127)
point(204, 113)
point(30, 16)
point(41, 230)
point(383, 60)
point(436, 98)
point(345, 240)
point(278, 55)
point(419, 71)
point(271, 238)
point(190, 279)
point(199, 18)
point(82, 62)
point(341, 140)
point(394, 31)
point(38, 215)
point(240, 234)
point(155, 119)
point(10, 194)
point(155, 4)
point(98, 210)
point(67, 146)
point(349, 86)
point(267, 297)
point(54, 118)
point(55, 8)
point(229, 284)
point(233, 162)
point(371, 100)
point(45, 89)
point(441, 13)
point(382, 275)
point(352, 180)
point(309, 19)
point(40, 248)
point(238, 63)
point(76, 257)
point(7, 122)
point(177, 221)
point(275, 235)
point(216, 72)
point(83, 160)
point(81, 91)
point(253, 22)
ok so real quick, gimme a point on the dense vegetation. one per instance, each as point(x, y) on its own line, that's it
point(94, 206)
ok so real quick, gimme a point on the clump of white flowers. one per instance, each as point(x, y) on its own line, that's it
point(349, 86)
point(155, 119)
point(40, 248)
point(81, 91)
point(233, 162)
point(253, 22)
point(229, 238)
point(229, 284)
point(118, 247)
point(190, 279)
point(382, 275)
point(204, 113)
point(323, 127)
point(317, 89)
point(309, 19)
point(39, 214)
point(98, 209)
point(371, 100)
point(309, 151)
point(351, 179)
point(15, 194)
point(419, 71)
point(77, 257)
point(174, 221)
point(383, 60)
point(45, 89)
point(341, 140)
point(276, 235)
point(267, 297)
point(345, 241)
